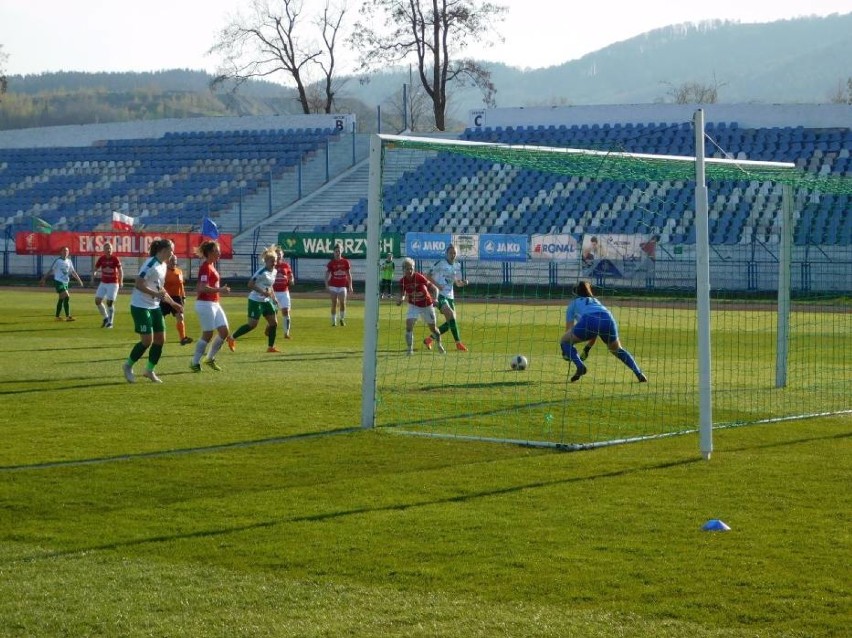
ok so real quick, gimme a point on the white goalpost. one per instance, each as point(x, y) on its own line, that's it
point(515, 307)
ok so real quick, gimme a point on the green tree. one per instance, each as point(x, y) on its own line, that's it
point(277, 39)
point(435, 33)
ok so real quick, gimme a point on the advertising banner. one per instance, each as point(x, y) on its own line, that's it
point(555, 247)
point(467, 246)
point(427, 245)
point(124, 244)
point(321, 245)
point(503, 247)
point(624, 256)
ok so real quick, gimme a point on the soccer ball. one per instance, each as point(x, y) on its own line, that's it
point(518, 362)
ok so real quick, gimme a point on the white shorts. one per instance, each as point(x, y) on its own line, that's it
point(283, 299)
point(107, 291)
point(338, 291)
point(426, 313)
point(210, 315)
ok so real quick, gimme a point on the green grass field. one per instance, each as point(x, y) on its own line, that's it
point(248, 503)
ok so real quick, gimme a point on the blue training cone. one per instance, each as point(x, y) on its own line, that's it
point(715, 525)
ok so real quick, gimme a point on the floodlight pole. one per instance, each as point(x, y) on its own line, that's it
point(371, 287)
point(702, 273)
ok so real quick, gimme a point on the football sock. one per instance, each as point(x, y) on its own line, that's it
point(628, 360)
point(215, 345)
point(287, 323)
point(569, 350)
point(241, 331)
point(66, 305)
point(102, 310)
point(454, 329)
point(110, 312)
point(270, 335)
point(181, 328)
point(137, 352)
point(199, 352)
point(58, 306)
point(409, 339)
point(154, 355)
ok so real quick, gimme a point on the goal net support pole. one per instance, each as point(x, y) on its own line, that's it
point(702, 271)
point(371, 285)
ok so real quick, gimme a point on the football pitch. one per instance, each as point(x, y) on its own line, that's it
point(248, 502)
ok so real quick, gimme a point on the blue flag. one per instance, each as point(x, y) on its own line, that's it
point(209, 229)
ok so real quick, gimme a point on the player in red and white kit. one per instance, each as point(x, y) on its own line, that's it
point(338, 281)
point(112, 278)
point(210, 313)
point(419, 292)
point(283, 280)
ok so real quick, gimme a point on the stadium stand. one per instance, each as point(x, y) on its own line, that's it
point(171, 180)
point(450, 193)
point(169, 174)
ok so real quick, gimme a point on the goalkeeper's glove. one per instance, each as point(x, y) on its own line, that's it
point(585, 353)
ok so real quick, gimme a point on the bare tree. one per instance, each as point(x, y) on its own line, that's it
point(841, 94)
point(435, 32)
point(694, 92)
point(273, 40)
point(411, 107)
point(4, 82)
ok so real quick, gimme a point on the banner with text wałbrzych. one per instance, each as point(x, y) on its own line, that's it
point(321, 245)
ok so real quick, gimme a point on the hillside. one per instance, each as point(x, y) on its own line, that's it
point(789, 61)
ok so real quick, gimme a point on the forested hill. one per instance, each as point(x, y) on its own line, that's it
point(791, 61)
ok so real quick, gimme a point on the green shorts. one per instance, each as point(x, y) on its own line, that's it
point(258, 309)
point(60, 287)
point(147, 321)
point(446, 301)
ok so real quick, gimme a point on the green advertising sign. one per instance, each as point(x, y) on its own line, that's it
point(321, 245)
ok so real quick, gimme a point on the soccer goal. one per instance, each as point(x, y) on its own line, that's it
point(726, 335)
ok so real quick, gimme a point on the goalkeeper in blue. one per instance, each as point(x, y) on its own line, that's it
point(587, 319)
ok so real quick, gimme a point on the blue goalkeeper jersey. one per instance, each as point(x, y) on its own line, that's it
point(582, 306)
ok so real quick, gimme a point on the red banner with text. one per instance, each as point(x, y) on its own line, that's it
point(123, 244)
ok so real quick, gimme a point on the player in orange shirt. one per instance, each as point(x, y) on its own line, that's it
point(338, 281)
point(174, 286)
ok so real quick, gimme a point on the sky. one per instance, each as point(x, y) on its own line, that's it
point(111, 35)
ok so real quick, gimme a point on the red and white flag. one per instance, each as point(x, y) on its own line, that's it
point(122, 222)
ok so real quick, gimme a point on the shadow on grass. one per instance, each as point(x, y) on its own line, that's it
point(360, 511)
point(53, 387)
point(178, 451)
point(340, 514)
point(105, 346)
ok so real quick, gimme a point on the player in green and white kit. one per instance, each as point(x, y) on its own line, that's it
point(261, 300)
point(148, 322)
point(446, 274)
point(62, 270)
